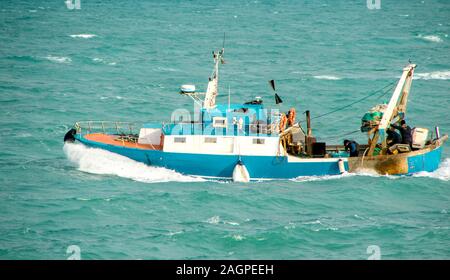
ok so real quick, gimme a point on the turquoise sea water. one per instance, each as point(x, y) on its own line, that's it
point(125, 60)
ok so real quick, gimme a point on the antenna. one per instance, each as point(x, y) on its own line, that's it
point(223, 43)
point(222, 60)
point(229, 97)
point(213, 84)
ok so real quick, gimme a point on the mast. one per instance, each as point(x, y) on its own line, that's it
point(395, 108)
point(213, 85)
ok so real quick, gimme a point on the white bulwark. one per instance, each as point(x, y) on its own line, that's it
point(150, 136)
point(222, 145)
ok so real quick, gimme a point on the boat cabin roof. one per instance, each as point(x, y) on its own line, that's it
point(226, 120)
point(235, 110)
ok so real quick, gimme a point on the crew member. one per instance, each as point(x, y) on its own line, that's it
point(393, 137)
point(405, 131)
point(351, 147)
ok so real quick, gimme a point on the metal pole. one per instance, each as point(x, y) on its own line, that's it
point(308, 123)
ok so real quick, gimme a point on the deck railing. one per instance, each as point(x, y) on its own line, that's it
point(110, 127)
point(178, 128)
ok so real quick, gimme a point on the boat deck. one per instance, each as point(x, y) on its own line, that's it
point(116, 140)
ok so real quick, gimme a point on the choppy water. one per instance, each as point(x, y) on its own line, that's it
point(124, 60)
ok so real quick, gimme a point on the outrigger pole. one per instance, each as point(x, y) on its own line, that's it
point(396, 108)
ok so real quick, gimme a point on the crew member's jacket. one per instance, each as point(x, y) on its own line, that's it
point(394, 137)
point(352, 147)
point(406, 134)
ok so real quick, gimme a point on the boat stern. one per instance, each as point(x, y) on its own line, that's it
point(426, 159)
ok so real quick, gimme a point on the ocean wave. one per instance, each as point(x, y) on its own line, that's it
point(430, 38)
point(320, 178)
point(237, 237)
point(442, 173)
point(84, 36)
point(216, 220)
point(317, 225)
point(101, 60)
point(360, 172)
point(366, 172)
point(231, 223)
point(24, 58)
point(327, 77)
point(213, 220)
point(98, 161)
point(436, 75)
point(172, 233)
point(289, 226)
point(59, 59)
point(166, 69)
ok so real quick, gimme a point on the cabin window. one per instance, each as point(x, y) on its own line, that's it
point(179, 140)
point(219, 122)
point(212, 140)
point(258, 141)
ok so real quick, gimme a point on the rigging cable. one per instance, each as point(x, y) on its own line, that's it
point(345, 134)
point(384, 90)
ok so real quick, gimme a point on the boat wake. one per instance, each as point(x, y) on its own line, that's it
point(442, 173)
point(321, 178)
point(98, 161)
point(362, 172)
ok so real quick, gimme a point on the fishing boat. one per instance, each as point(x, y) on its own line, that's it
point(243, 142)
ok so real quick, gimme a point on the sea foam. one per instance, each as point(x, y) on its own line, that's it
point(327, 77)
point(442, 173)
point(320, 178)
point(431, 38)
point(101, 60)
point(59, 59)
point(437, 75)
point(365, 172)
point(98, 161)
point(84, 36)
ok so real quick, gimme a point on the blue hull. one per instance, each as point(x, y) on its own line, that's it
point(221, 166)
point(428, 162)
point(259, 167)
